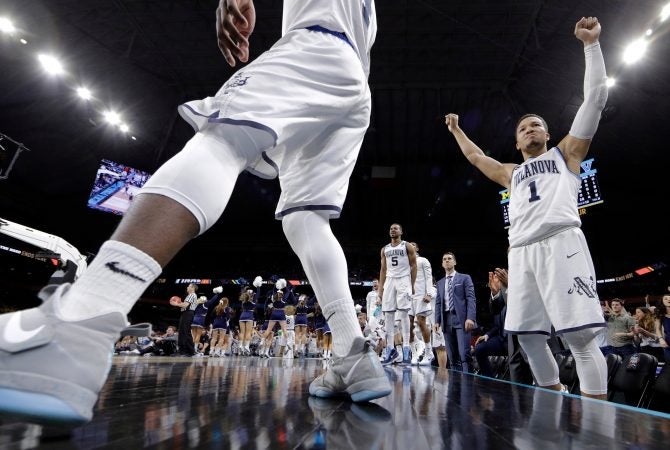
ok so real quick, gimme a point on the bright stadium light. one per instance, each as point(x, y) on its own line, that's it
point(84, 93)
point(635, 51)
point(665, 12)
point(112, 117)
point(610, 82)
point(23, 41)
point(124, 128)
point(6, 26)
point(50, 64)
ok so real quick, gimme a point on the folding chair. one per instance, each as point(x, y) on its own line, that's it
point(633, 380)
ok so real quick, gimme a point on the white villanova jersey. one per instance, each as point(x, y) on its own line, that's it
point(543, 199)
point(397, 261)
point(290, 323)
point(424, 278)
point(357, 19)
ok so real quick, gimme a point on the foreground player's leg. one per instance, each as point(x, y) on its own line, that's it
point(355, 369)
point(54, 359)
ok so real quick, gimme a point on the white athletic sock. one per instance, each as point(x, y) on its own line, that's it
point(404, 327)
point(341, 317)
point(325, 265)
point(113, 282)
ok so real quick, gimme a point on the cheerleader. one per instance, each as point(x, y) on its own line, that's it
point(246, 321)
point(278, 316)
point(301, 312)
point(198, 324)
point(319, 324)
point(327, 341)
point(219, 341)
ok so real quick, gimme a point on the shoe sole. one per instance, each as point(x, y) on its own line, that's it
point(38, 408)
point(358, 392)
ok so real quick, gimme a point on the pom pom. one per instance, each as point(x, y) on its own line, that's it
point(258, 281)
point(280, 284)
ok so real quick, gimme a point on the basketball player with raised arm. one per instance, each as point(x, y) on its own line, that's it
point(551, 275)
point(307, 134)
point(396, 288)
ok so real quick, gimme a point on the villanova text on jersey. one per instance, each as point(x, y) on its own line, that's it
point(394, 252)
point(533, 168)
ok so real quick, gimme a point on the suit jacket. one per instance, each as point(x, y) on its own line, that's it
point(464, 298)
point(498, 305)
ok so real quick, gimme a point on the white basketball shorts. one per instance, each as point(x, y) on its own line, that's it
point(419, 307)
point(397, 294)
point(552, 282)
point(305, 105)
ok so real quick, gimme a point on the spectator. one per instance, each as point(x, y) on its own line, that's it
point(619, 329)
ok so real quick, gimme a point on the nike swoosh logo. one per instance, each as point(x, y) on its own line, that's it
point(14, 334)
point(112, 265)
point(570, 256)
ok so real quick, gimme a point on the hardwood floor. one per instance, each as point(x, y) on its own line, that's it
point(252, 403)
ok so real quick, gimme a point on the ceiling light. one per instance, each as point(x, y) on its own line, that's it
point(665, 12)
point(112, 117)
point(50, 64)
point(610, 82)
point(23, 41)
point(124, 128)
point(635, 51)
point(84, 93)
point(6, 25)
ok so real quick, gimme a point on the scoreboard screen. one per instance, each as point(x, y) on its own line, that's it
point(589, 192)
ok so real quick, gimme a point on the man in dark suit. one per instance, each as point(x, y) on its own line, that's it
point(455, 311)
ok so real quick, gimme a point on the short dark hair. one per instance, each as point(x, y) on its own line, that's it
point(525, 116)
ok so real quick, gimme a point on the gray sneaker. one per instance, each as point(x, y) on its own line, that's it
point(50, 370)
point(359, 375)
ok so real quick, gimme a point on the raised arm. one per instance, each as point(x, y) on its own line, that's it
point(492, 168)
point(576, 144)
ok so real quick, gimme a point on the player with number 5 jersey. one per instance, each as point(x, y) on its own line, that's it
point(396, 288)
point(552, 280)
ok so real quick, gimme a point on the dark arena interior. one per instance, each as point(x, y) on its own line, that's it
point(73, 161)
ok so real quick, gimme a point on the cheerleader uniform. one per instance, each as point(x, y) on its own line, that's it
point(248, 312)
point(301, 315)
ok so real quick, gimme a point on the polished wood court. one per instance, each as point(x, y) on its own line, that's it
point(252, 403)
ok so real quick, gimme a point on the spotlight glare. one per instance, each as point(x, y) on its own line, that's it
point(635, 51)
point(23, 41)
point(133, 138)
point(648, 32)
point(84, 93)
point(50, 64)
point(665, 12)
point(124, 128)
point(610, 82)
point(6, 25)
point(112, 117)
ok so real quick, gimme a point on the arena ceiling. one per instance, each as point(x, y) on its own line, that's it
point(489, 61)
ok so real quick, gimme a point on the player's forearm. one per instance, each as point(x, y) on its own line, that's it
point(595, 93)
point(469, 148)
